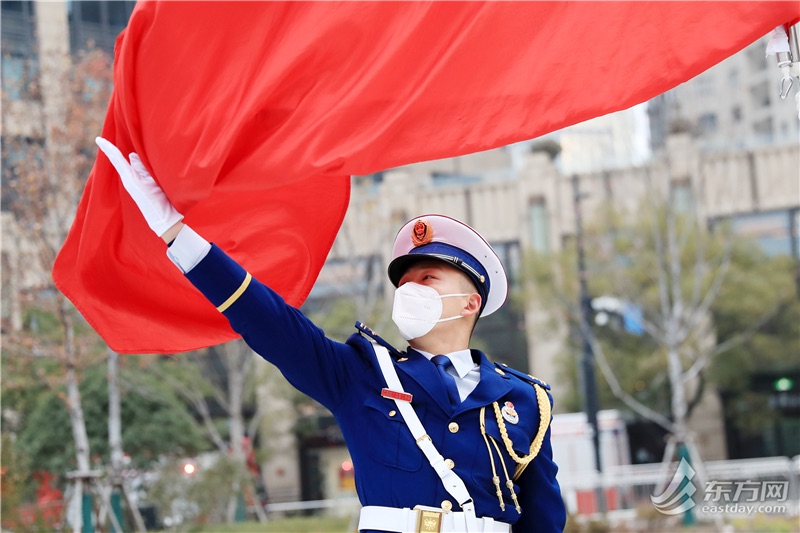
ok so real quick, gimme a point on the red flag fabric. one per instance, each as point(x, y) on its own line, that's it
point(252, 115)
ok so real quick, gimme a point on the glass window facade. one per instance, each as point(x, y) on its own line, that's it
point(682, 196)
point(775, 231)
point(97, 24)
point(539, 227)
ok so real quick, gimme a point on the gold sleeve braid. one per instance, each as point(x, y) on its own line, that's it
point(237, 293)
point(536, 445)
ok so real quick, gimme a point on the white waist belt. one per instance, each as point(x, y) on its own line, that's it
point(407, 520)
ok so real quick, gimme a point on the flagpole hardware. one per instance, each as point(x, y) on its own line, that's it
point(785, 64)
point(794, 43)
point(780, 45)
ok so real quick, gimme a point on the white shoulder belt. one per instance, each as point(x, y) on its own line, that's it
point(452, 483)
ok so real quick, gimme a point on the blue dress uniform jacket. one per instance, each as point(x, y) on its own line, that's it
point(390, 470)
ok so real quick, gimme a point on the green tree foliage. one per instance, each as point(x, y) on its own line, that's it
point(747, 322)
point(637, 362)
point(15, 473)
point(771, 349)
point(774, 345)
point(154, 421)
point(336, 316)
point(47, 154)
point(191, 500)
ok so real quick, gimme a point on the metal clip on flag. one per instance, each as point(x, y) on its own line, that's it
point(784, 46)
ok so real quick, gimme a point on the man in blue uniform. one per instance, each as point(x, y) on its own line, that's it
point(441, 438)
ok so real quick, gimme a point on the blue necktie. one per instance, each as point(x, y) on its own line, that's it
point(442, 362)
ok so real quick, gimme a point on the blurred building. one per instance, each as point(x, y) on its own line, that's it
point(616, 140)
point(32, 32)
point(35, 39)
point(80, 24)
point(735, 104)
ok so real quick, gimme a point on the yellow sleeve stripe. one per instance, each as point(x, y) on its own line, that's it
point(235, 296)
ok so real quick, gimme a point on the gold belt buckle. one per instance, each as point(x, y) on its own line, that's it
point(429, 519)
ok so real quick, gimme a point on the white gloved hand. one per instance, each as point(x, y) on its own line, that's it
point(148, 196)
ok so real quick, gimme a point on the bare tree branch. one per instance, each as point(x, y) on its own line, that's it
point(662, 284)
point(613, 382)
point(713, 291)
point(699, 264)
point(697, 396)
point(198, 400)
point(675, 271)
point(743, 336)
point(252, 426)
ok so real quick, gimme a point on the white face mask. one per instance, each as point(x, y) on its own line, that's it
point(417, 309)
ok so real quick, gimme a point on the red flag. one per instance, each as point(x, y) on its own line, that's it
point(252, 115)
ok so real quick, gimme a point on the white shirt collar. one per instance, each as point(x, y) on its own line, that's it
point(462, 361)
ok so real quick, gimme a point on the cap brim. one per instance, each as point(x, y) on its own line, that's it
point(399, 266)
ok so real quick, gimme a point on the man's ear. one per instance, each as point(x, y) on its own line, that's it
point(473, 306)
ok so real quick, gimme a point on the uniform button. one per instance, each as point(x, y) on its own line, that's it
point(499, 371)
point(453, 427)
point(446, 505)
point(392, 412)
point(450, 464)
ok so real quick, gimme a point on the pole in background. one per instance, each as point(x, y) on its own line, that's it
point(587, 358)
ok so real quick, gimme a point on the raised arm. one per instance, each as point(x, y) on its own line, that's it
point(278, 332)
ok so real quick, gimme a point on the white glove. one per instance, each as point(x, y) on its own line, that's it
point(148, 196)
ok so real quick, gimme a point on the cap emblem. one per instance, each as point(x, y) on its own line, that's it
point(421, 233)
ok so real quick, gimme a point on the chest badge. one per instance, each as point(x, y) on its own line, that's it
point(509, 413)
